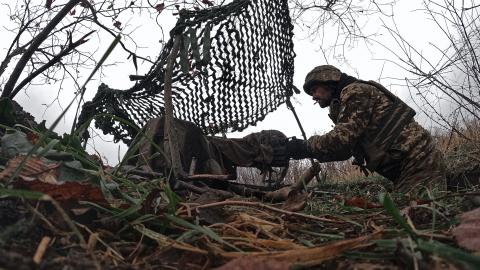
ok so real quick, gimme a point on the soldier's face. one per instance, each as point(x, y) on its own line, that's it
point(322, 95)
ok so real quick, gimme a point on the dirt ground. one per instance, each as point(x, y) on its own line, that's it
point(340, 227)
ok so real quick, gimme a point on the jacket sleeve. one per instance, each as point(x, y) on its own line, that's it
point(353, 119)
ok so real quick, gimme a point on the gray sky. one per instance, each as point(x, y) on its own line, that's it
point(367, 61)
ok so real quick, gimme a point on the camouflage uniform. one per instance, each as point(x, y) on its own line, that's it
point(361, 113)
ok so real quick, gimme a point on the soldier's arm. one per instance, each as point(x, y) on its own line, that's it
point(352, 121)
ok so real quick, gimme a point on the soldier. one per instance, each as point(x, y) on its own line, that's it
point(375, 127)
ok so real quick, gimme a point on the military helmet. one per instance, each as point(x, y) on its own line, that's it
point(321, 74)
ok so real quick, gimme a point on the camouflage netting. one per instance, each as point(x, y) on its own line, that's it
point(235, 66)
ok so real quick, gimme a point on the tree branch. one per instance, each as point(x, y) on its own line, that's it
point(9, 57)
point(52, 62)
point(37, 41)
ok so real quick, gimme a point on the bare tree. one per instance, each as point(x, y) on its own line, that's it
point(446, 81)
point(338, 24)
point(50, 36)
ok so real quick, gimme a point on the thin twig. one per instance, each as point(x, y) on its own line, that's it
point(37, 41)
point(262, 205)
point(114, 252)
point(70, 48)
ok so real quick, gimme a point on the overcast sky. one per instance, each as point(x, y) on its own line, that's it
point(366, 62)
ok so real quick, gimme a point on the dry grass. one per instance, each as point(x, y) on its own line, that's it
point(450, 141)
point(462, 154)
point(332, 172)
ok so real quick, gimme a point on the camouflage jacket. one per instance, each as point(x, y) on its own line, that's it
point(374, 124)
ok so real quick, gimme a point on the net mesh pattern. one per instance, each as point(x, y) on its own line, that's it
point(235, 65)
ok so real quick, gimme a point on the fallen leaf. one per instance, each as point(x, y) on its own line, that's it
point(279, 244)
point(80, 211)
point(68, 191)
point(249, 262)
point(32, 137)
point(296, 202)
point(44, 170)
point(317, 255)
point(265, 225)
point(35, 168)
point(467, 233)
point(361, 203)
point(42, 175)
point(311, 256)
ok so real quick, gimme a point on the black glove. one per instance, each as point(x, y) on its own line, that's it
point(298, 149)
point(280, 157)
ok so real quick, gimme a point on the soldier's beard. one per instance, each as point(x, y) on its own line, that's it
point(323, 103)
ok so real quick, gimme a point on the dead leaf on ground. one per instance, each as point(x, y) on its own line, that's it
point(311, 256)
point(359, 202)
point(265, 225)
point(296, 202)
point(279, 195)
point(42, 175)
point(33, 137)
point(317, 255)
point(68, 191)
point(248, 262)
point(467, 233)
point(34, 168)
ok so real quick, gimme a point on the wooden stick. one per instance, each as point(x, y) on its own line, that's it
point(271, 208)
point(143, 173)
point(145, 150)
point(170, 135)
point(307, 176)
point(209, 176)
point(290, 106)
point(193, 188)
point(280, 194)
point(193, 166)
point(283, 193)
point(245, 191)
point(41, 249)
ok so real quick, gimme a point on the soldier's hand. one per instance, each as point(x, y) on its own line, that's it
point(298, 149)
